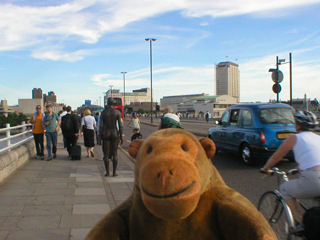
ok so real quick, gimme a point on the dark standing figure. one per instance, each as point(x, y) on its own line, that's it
point(70, 129)
point(207, 116)
point(110, 131)
point(64, 112)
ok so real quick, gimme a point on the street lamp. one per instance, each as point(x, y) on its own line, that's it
point(151, 40)
point(111, 89)
point(124, 92)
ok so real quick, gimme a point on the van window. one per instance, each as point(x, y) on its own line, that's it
point(225, 118)
point(246, 118)
point(234, 117)
point(276, 116)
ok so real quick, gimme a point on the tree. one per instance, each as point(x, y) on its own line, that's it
point(3, 121)
point(141, 111)
point(15, 119)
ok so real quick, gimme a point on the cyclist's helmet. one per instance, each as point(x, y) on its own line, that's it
point(306, 119)
point(134, 114)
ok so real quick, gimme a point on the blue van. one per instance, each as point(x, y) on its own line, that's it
point(254, 130)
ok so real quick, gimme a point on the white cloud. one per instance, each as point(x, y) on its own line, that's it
point(87, 21)
point(61, 56)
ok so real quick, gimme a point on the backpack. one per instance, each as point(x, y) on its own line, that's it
point(137, 135)
point(67, 126)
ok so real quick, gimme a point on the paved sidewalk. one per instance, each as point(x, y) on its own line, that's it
point(61, 199)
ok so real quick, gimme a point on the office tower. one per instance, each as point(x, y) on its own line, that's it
point(36, 93)
point(228, 79)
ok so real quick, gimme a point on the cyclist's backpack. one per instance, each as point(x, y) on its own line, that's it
point(311, 222)
point(136, 136)
point(67, 126)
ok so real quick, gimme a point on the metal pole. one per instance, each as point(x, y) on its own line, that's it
point(277, 64)
point(124, 93)
point(151, 77)
point(290, 60)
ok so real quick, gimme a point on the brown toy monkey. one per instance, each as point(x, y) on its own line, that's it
point(179, 194)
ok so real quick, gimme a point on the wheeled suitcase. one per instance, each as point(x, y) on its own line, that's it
point(76, 152)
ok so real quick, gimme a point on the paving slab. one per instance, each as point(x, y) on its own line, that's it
point(62, 199)
point(79, 220)
point(91, 209)
point(44, 234)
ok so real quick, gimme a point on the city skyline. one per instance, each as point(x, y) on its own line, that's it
point(78, 48)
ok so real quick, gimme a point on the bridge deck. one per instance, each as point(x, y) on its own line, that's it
point(61, 199)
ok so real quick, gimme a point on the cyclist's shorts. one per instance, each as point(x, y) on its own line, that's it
point(306, 186)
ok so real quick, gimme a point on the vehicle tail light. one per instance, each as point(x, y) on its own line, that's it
point(262, 138)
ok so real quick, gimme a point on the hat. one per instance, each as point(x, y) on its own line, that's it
point(49, 105)
point(170, 120)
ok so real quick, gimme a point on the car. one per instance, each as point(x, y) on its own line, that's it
point(255, 131)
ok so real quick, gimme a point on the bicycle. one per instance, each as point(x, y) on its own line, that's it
point(276, 211)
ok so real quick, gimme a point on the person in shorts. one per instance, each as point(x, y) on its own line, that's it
point(306, 148)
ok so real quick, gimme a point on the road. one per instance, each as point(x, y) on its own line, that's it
point(245, 179)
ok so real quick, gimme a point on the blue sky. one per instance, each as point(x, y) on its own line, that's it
point(79, 48)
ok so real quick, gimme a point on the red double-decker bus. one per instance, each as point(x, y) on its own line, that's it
point(118, 105)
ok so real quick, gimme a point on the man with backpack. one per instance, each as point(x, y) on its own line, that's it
point(70, 129)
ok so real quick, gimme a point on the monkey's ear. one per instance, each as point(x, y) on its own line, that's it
point(134, 147)
point(209, 146)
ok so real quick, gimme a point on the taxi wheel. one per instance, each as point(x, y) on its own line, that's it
point(246, 154)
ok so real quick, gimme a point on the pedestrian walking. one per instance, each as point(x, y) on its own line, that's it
point(89, 125)
point(97, 120)
point(37, 120)
point(64, 112)
point(207, 116)
point(51, 123)
point(70, 129)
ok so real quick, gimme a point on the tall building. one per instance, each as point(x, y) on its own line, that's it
point(50, 98)
point(228, 79)
point(36, 93)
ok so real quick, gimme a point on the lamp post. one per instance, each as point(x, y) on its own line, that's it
point(124, 92)
point(111, 89)
point(151, 40)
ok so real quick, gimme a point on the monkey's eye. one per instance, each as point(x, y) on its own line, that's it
point(184, 148)
point(149, 150)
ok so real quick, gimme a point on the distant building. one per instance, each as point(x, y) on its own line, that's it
point(28, 106)
point(137, 96)
point(197, 106)
point(51, 98)
point(177, 99)
point(37, 93)
point(304, 104)
point(228, 79)
point(5, 109)
point(146, 106)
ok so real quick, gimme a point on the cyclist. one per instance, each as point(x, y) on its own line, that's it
point(134, 123)
point(306, 149)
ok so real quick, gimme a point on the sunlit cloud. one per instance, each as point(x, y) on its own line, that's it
point(30, 26)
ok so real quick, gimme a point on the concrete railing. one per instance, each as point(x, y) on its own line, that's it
point(20, 148)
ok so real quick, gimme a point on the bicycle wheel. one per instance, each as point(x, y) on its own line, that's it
point(272, 208)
